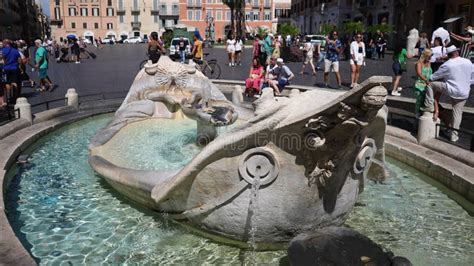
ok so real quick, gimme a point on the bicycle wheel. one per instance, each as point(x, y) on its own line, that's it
point(142, 64)
point(212, 70)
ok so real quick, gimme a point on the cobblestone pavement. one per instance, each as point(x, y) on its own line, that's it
point(116, 67)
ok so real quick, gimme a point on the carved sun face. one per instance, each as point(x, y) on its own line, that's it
point(171, 77)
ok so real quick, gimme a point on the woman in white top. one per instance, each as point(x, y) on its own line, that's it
point(309, 48)
point(439, 54)
point(357, 59)
point(230, 47)
point(239, 45)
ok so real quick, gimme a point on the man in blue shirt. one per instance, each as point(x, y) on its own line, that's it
point(11, 58)
point(333, 49)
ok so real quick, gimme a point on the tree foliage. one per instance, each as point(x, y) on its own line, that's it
point(287, 29)
point(353, 27)
point(385, 28)
point(237, 16)
point(261, 31)
point(326, 28)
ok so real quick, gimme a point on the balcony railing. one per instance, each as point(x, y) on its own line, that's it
point(136, 25)
point(135, 11)
point(155, 12)
point(169, 13)
point(121, 10)
point(56, 21)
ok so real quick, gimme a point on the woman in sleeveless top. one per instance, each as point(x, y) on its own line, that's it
point(154, 48)
point(423, 71)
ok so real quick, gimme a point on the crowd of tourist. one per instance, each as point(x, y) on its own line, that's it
point(14, 60)
point(442, 68)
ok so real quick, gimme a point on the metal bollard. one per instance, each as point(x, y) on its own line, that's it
point(24, 109)
point(72, 98)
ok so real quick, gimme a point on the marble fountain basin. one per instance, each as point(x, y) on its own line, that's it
point(304, 158)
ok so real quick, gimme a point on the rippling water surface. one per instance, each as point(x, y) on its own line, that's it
point(64, 213)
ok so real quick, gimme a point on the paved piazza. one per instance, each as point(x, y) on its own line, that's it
point(116, 67)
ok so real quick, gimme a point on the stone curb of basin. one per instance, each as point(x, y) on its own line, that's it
point(12, 251)
point(454, 170)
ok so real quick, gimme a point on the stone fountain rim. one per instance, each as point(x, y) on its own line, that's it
point(13, 252)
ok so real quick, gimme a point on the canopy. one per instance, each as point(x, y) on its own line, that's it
point(449, 20)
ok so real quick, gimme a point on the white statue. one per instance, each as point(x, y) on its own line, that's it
point(412, 40)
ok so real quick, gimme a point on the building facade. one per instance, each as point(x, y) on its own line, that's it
point(83, 18)
point(10, 26)
point(212, 18)
point(140, 18)
point(281, 13)
point(311, 15)
point(19, 20)
point(426, 16)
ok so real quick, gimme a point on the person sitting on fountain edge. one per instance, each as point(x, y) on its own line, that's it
point(283, 76)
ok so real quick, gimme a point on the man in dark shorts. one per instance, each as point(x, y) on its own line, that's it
point(11, 57)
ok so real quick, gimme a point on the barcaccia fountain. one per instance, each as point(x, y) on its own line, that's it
point(306, 155)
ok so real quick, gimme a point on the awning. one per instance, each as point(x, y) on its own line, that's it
point(449, 20)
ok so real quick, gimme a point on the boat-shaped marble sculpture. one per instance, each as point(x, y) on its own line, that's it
point(308, 154)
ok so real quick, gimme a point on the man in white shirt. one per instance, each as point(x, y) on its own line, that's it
point(288, 40)
point(443, 34)
point(452, 79)
point(282, 75)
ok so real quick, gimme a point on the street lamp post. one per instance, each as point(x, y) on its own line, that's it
point(209, 29)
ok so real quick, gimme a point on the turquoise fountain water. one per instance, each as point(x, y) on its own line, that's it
point(63, 212)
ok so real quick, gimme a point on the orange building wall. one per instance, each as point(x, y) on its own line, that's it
point(219, 25)
point(66, 20)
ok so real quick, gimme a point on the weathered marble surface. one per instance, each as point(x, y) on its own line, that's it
point(310, 154)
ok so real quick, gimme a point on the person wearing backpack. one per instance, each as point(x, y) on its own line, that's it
point(41, 63)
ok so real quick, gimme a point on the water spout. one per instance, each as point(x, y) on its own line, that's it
point(253, 205)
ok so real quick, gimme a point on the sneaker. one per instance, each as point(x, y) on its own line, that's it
point(230, 64)
point(399, 89)
point(77, 62)
point(395, 93)
point(454, 136)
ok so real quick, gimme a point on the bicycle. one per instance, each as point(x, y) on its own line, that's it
point(210, 68)
point(143, 63)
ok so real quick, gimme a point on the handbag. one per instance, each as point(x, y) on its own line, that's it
point(403, 65)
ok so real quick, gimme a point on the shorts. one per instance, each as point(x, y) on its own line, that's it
point(328, 65)
point(397, 68)
point(360, 60)
point(282, 82)
point(230, 51)
point(308, 58)
point(42, 73)
point(238, 52)
point(11, 76)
